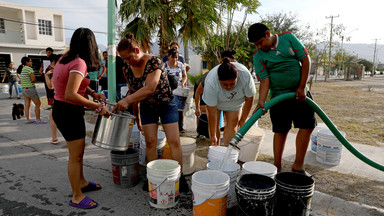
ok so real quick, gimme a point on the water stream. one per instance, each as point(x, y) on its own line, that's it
point(225, 158)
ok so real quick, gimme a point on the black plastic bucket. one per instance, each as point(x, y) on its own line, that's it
point(294, 192)
point(125, 167)
point(255, 195)
point(202, 125)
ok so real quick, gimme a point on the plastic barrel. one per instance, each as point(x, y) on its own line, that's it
point(294, 192)
point(232, 169)
point(125, 167)
point(163, 183)
point(210, 188)
point(255, 195)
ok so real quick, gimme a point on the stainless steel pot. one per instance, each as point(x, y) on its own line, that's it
point(113, 133)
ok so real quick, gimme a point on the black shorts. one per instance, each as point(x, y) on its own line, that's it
point(69, 119)
point(288, 111)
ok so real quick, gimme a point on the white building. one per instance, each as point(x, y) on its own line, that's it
point(28, 31)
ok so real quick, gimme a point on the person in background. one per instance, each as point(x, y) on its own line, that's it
point(48, 80)
point(103, 73)
point(282, 65)
point(43, 66)
point(94, 77)
point(120, 79)
point(13, 77)
point(230, 88)
point(148, 84)
point(175, 68)
point(71, 85)
point(28, 79)
point(200, 105)
point(176, 46)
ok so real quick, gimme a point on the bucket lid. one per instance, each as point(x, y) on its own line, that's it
point(229, 166)
point(328, 133)
point(260, 167)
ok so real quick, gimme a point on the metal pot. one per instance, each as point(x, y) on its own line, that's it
point(114, 133)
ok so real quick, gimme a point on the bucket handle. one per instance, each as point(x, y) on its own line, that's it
point(159, 184)
point(208, 198)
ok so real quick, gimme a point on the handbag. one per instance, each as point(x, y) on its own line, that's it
point(173, 83)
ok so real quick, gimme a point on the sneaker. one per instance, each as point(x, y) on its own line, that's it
point(40, 122)
point(18, 97)
point(184, 187)
point(10, 97)
point(30, 122)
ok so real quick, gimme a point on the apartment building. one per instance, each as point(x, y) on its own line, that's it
point(28, 31)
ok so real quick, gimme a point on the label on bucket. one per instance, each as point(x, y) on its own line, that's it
point(116, 174)
point(217, 207)
point(164, 196)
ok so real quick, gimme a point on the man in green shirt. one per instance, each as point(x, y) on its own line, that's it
point(282, 65)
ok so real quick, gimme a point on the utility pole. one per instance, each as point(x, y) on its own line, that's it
point(330, 46)
point(374, 58)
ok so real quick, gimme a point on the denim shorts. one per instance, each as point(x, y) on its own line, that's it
point(30, 92)
point(167, 113)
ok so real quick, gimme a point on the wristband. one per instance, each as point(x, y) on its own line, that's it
point(101, 106)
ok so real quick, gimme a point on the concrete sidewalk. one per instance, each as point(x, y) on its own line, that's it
point(33, 175)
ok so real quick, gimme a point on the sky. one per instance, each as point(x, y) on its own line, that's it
point(362, 19)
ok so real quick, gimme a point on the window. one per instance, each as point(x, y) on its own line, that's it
point(45, 27)
point(2, 26)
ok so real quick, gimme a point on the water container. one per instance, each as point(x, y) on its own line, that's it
point(216, 153)
point(259, 167)
point(328, 147)
point(294, 193)
point(255, 195)
point(232, 170)
point(134, 141)
point(161, 140)
point(163, 183)
point(188, 147)
point(210, 190)
point(314, 136)
point(125, 167)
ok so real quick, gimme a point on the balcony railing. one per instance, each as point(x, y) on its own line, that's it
point(11, 37)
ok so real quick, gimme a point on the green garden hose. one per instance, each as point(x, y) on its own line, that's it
point(243, 130)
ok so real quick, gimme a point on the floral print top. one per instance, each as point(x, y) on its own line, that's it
point(163, 93)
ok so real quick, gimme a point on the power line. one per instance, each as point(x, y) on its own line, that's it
point(57, 27)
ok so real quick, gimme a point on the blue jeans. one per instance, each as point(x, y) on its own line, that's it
point(14, 83)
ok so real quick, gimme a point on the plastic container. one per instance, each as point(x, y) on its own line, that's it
point(250, 144)
point(232, 170)
point(134, 141)
point(255, 195)
point(328, 147)
point(161, 141)
point(216, 153)
point(163, 183)
point(314, 136)
point(259, 167)
point(294, 193)
point(188, 147)
point(210, 190)
point(125, 167)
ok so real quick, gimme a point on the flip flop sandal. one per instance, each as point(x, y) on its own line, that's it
point(84, 204)
point(303, 172)
point(90, 187)
point(55, 142)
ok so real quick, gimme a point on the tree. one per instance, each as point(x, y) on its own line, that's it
point(368, 64)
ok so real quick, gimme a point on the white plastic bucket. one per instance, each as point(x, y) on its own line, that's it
point(216, 153)
point(232, 170)
point(161, 141)
point(314, 136)
point(328, 147)
point(163, 183)
point(249, 150)
point(179, 91)
point(188, 147)
point(210, 191)
point(5, 89)
point(259, 167)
